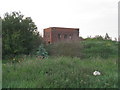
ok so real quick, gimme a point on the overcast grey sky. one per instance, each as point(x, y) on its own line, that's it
point(93, 17)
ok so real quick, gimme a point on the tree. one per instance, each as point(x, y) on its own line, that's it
point(98, 37)
point(107, 37)
point(20, 35)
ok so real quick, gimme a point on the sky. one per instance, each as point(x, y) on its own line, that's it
point(92, 17)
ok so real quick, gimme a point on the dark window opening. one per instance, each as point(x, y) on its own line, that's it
point(59, 36)
point(65, 36)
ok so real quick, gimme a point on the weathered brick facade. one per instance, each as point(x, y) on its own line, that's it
point(56, 34)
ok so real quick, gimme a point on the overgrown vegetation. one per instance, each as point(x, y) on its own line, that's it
point(69, 65)
point(72, 49)
point(85, 49)
point(19, 35)
point(60, 72)
point(103, 49)
point(68, 70)
point(41, 51)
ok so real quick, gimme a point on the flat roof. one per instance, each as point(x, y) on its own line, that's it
point(62, 28)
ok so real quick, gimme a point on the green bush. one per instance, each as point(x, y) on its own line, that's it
point(42, 51)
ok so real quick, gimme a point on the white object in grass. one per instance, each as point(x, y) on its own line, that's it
point(95, 73)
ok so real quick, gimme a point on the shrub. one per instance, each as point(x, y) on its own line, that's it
point(42, 51)
point(72, 49)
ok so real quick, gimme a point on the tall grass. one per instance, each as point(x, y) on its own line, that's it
point(72, 49)
point(69, 65)
point(60, 72)
point(84, 49)
point(100, 48)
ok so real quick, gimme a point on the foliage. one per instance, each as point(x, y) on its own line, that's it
point(85, 49)
point(104, 49)
point(107, 37)
point(72, 49)
point(97, 37)
point(19, 34)
point(41, 51)
point(61, 72)
point(100, 47)
point(66, 70)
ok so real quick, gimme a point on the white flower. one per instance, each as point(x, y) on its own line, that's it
point(96, 73)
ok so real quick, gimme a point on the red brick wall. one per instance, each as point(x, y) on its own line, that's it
point(51, 34)
point(47, 35)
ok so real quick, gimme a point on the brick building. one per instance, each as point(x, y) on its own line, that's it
point(57, 34)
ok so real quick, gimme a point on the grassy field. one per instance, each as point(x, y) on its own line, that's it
point(69, 65)
point(60, 72)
